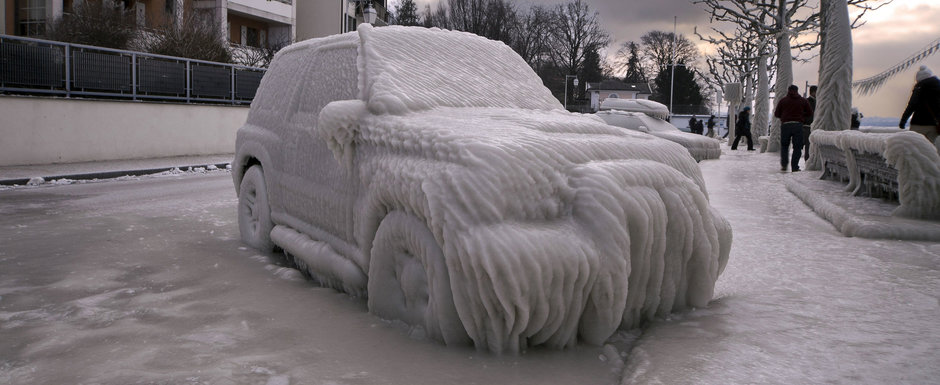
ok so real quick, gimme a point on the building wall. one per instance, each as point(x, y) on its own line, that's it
point(8, 20)
point(319, 18)
point(235, 28)
point(55, 130)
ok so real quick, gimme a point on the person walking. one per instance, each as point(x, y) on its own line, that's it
point(924, 105)
point(856, 119)
point(711, 127)
point(743, 128)
point(792, 110)
point(807, 125)
point(692, 124)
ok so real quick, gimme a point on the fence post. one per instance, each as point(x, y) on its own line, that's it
point(233, 83)
point(68, 70)
point(189, 80)
point(134, 76)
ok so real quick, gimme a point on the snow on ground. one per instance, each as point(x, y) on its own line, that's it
point(798, 303)
point(144, 281)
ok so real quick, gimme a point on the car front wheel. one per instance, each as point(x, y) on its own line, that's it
point(408, 279)
point(254, 212)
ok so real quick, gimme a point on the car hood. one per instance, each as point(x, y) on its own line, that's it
point(700, 147)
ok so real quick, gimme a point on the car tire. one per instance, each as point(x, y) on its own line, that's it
point(408, 279)
point(254, 212)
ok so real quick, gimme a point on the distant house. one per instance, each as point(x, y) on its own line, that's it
point(616, 89)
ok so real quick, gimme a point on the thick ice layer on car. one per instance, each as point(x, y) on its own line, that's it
point(552, 225)
point(700, 147)
point(410, 69)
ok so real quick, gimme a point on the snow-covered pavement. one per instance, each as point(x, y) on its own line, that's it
point(145, 281)
point(798, 302)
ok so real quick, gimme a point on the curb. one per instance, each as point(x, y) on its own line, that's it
point(109, 174)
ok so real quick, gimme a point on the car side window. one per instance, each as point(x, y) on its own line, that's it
point(332, 76)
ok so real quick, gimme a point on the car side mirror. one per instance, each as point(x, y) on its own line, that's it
point(643, 129)
point(338, 126)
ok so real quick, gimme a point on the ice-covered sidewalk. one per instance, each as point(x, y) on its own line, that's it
point(799, 302)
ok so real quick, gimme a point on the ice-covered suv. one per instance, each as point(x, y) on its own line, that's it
point(433, 172)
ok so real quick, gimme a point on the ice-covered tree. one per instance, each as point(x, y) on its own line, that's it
point(784, 21)
point(834, 97)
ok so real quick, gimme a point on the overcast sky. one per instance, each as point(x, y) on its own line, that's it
point(892, 34)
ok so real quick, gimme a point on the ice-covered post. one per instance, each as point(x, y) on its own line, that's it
point(733, 97)
point(834, 99)
point(784, 70)
point(762, 104)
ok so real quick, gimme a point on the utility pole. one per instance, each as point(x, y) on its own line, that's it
point(672, 78)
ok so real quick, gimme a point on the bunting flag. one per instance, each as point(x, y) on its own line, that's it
point(869, 85)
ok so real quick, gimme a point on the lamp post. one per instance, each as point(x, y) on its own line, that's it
point(368, 13)
point(574, 82)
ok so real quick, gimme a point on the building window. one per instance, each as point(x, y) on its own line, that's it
point(30, 17)
point(250, 37)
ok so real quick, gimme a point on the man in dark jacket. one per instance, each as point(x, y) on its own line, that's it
point(792, 111)
point(807, 125)
point(743, 128)
point(924, 105)
point(711, 127)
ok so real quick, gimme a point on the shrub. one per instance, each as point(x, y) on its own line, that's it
point(103, 23)
point(198, 36)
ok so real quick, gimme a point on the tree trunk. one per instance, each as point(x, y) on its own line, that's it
point(762, 106)
point(834, 97)
point(784, 71)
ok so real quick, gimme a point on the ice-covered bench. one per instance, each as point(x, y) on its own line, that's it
point(899, 165)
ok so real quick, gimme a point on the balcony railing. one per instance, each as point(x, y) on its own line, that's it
point(43, 67)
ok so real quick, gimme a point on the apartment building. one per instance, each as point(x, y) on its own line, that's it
point(318, 18)
point(255, 23)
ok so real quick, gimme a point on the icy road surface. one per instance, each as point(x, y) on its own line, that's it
point(144, 281)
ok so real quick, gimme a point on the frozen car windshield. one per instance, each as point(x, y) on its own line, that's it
point(412, 69)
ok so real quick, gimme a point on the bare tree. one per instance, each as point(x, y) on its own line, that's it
point(531, 36)
point(102, 23)
point(260, 56)
point(198, 36)
point(658, 50)
point(575, 31)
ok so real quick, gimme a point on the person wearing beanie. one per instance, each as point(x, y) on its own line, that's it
point(924, 105)
point(742, 127)
point(792, 110)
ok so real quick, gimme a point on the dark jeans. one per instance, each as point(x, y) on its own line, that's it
point(746, 134)
point(806, 132)
point(792, 131)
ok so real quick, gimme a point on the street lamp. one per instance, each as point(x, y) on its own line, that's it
point(574, 82)
point(369, 14)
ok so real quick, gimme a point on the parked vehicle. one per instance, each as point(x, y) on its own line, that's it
point(700, 147)
point(432, 172)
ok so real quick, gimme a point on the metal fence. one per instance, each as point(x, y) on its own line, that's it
point(33, 66)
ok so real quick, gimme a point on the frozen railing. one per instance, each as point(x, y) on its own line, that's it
point(34, 66)
point(899, 165)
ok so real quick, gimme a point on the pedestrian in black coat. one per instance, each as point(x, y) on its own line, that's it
point(924, 105)
point(743, 128)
